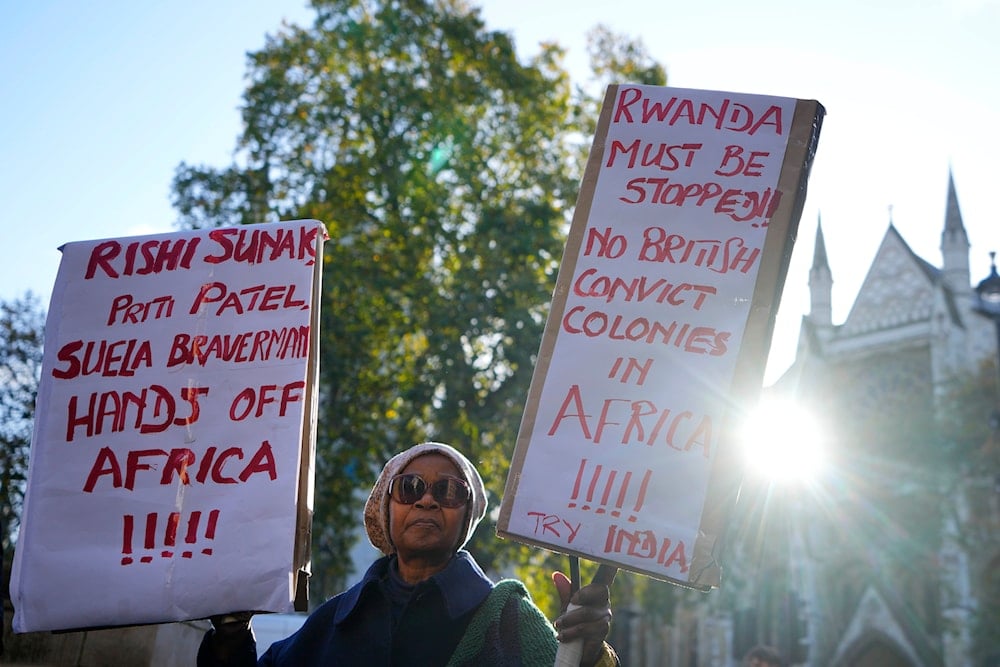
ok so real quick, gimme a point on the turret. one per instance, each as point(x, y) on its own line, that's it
point(820, 283)
point(955, 245)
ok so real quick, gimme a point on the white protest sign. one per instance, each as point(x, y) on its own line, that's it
point(173, 429)
point(660, 324)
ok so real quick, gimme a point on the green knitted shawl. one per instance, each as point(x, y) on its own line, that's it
point(490, 638)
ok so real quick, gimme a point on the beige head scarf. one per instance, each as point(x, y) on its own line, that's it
point(377, 506)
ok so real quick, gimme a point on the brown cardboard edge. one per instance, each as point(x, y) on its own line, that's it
point(726, 473)
point(302, 555)
point(567, 267)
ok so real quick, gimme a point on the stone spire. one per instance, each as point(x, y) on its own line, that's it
point(820, 282)
point(955, 244)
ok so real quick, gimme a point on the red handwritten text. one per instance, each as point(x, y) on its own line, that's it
point(551, 523)
point(152, 410)
point(104, 358)
point(248, 346)
point(734, 162)
point(237, 302)
point(691, 339)
point(604, 481)
point(254, 245)
point(136, 312)
point(633, 106)
point(253, 400)
point(739, 205)
point(172, 524)
point(643, 288)
point(215, 466)
point(140, 257)
point(644, 423)
point(720, 256)
point(660, 155)
point(644, 544)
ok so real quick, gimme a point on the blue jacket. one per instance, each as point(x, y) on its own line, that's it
point(356, 627)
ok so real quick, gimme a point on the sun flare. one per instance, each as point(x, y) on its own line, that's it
point(783, 442)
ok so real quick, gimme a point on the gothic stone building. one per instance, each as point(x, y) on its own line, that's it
point(895, 559)
point(891, 558)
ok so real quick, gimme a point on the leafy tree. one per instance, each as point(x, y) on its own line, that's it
point(614, 58)
point(444, 169)
point(21, 324)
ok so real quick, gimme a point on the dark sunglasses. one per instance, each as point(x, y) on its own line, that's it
point(448, 492)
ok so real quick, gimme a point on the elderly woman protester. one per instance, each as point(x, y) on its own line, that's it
point(426, 602)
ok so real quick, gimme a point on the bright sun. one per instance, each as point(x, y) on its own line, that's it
point(783, 442)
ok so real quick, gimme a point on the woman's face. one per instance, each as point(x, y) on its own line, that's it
point(425, 529)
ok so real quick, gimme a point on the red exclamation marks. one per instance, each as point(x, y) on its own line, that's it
point(192, 533)
point(576, 484)
point(170, 537)
point(150, 542)
point(593, 485)
point(608, 492)
point(171, 527)
point(620, 501)
point(213, 519)
point(127, 539)
point(772, 207)
point(642, 494)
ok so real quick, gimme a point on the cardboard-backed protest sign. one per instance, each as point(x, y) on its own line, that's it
point(659, 328)
point(171, 460)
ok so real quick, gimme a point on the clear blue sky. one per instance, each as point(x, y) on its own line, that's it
point(99, 102)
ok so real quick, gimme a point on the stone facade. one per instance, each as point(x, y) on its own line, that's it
point(900, 552)
point(892, 558)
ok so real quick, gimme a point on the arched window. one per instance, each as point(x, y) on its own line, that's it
point(875, 650)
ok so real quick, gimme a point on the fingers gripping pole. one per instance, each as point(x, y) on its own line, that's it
point(569, 653)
